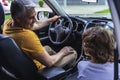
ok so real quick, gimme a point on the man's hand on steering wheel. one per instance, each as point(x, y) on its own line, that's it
point(53, 19)
point(60, 30)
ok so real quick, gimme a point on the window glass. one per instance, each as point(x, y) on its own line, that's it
point(85, 9)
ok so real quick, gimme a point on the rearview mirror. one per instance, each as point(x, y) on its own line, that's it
point(90, 1)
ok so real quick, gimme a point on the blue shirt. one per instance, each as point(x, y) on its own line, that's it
point(91, 71)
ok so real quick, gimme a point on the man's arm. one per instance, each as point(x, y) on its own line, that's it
point(41, 24)
point(50, 60)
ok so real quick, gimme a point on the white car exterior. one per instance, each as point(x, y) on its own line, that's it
point(6, 6)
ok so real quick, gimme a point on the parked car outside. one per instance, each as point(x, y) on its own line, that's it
point(6, 6)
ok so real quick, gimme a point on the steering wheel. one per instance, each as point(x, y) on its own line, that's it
point(60, 30)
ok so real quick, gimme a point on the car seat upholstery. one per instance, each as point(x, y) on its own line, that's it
point(17, 63)
point(12, 59)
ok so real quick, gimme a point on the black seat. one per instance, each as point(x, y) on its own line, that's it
point(12, 59)
point(23, 68)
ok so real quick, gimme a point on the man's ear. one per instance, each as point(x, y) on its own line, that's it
point(17, 19)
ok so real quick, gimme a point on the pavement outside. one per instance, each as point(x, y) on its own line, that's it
point(86, 10)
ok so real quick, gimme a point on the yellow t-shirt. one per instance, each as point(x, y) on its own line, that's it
point(26, 39)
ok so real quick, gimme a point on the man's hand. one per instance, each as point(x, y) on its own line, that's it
point(53, 19)
point(66, 50)
point(41, 24)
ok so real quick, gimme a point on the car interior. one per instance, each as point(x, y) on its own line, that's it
point(66, 31)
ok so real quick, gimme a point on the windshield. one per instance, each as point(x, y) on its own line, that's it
point(85, 9)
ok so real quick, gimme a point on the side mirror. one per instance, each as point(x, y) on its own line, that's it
point(95, 1)
point(42, 15)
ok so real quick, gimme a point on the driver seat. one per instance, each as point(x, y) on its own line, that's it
point(14, 61)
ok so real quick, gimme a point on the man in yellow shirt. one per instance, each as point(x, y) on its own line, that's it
point(20, 29)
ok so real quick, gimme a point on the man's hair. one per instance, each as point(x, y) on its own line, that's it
point(20, 11)
point(98, 44)
point(17, 9)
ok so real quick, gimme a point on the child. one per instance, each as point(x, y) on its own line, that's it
point(98, 46)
